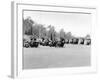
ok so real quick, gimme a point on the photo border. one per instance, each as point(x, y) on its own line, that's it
point(16, 62)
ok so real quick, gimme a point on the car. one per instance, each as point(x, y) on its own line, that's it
point(81, 41)
point(67, 41)
point(88, 42)
point(26, 44)
point(75, 41)
point(60, 43)
point(34, 43)
point(70, 41)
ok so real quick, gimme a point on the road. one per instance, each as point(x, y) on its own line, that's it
point(46, 57)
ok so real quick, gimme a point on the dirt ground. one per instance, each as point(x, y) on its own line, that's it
point(47, 57)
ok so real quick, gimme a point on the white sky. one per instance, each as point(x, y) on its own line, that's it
point(76, 23)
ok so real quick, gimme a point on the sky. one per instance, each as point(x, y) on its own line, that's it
point(78, 24)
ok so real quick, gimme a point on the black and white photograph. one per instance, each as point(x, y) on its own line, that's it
point(56, 39)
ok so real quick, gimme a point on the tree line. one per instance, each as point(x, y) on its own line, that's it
point(37, 30)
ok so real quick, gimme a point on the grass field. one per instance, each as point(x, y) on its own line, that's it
point(46, 57)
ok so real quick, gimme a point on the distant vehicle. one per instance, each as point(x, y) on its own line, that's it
point(54, 43)
point(34, 43)
point(67, 41)
point(70, 41)
point(26, 41)
point(88, 42)
point(75, 40)
point(60, 43)
point(26, 44)
point(81, 41)
point(44, 42)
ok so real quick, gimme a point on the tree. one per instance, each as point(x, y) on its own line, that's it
point(68, 35)
point(51, 32)
point(42, 32)
point(62, 34)
point(27, 26)
point(87, 36)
